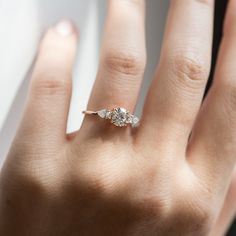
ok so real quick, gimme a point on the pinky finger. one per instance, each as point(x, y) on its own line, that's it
point(212, 147)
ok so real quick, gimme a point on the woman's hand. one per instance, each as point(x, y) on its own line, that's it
point(106, 180)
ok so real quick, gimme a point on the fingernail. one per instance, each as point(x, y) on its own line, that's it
point(64, 28)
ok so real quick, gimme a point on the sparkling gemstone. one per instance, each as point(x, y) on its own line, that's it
point(102, 113)
point(119, 116)
point(129, 119)
point(108, 114)
point(135, 121)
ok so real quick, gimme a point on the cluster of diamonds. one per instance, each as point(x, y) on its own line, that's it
point(119, 116)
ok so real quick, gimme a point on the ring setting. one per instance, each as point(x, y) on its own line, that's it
point(118, 116)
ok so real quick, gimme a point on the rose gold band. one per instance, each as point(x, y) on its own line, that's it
point(90, 112)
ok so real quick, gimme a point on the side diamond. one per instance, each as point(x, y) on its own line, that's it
point(102, 113)
point(135, 121)
point(129, 119)
point(108, 114)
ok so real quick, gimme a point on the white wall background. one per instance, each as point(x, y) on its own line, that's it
point(22, 23)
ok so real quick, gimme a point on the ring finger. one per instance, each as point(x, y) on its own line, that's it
point(123, 58)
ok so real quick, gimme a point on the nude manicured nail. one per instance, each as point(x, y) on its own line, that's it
point(64, 28)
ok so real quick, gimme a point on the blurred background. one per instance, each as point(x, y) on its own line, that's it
point(22, 24)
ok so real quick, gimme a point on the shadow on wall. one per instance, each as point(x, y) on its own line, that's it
point(156, 12)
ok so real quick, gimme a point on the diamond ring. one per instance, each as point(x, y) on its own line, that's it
point(118, 116)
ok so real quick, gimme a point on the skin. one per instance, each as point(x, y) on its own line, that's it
point(156, 179)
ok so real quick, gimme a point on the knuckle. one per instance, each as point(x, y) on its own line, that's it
point(103, 184)
point(22, 185)
point(125, 63)
point(154, 200)
point(153, 205)
point(193, 207)
point(146, 204)
point(203, 213)
point(50, 84)
point(99, 185)
point(96, 180)
point(189, 69)
point(40, 175)
point(193, 216)
point(202, 216)
point(33, 176)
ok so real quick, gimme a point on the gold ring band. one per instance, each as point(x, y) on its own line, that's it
point(118, 116)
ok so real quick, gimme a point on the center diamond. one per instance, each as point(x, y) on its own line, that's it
point(119, 116)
